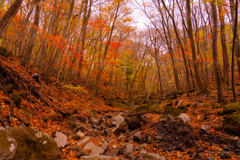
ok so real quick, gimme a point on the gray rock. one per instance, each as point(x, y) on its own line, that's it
point(101, 157)
point(204, 128)
point(144, 155)
point(8, 145)
point(95, 149)
point(116, 121)
point(170, 117)
point(81, 153)
point(83, 141)
point(184, 118)
point(137, 137)
point(80, 133)
point(74, 148)
point(128, 149)
point(95, 121)
point(61, 139)
point(228, 155)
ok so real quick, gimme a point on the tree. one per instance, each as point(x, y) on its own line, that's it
point(194, 56)
point(221, 97)
point(11, 12)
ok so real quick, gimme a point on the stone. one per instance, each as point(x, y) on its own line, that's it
point(137, 137)
point(81, 153)
point(183, 117)
point(208, 158)
point(108, 131)
point(100, 157)
point(120, 129)
point(95, 121)
point(228, 155)
point(101, 148)
point(128, 149)
point(80, 133)
point(76, 137)
point(74, 148)
point(116, 121)
point(83, 141)
point(149, 139)
point(142, 146)
point(60, 139)
point(144, 155)
point(34, 144)
point(204, 128)
point(170, 117)
point(8, 145)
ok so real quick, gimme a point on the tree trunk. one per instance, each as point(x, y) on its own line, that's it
point(221, 97)
point(194, 56)
point(5, 20)
point(224, 45)
point(31, 42)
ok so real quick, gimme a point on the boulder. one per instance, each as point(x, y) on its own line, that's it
point(34, 144)
point(128, 149)
point(95, 121)
point(8, 145)
point(232, 123)
point(120, 124)
point(76, 137)
point(204, 128)
point(144, 155)
point(184, 118)
point(61, 139)
point(230, 108)
point(83, 140)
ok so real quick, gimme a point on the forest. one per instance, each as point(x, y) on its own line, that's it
point(83, 79)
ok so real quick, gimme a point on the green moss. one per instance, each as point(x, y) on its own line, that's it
point(230, 108)
point(33, 144)
point(76, 88)
point(232, 123)
point(119, 105)
point(172, 111)
point(16, 98)
point(3, 51)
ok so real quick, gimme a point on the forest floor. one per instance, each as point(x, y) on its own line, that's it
point(44, 105)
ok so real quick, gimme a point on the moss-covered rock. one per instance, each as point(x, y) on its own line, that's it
point(8, 145)
point(70, 121)
point(16, 98)
point(119, 105)
point(133, 121)
point(3, 51)
point(232, 123)
point(172, 111)
point(230, 108)
point(33, 144)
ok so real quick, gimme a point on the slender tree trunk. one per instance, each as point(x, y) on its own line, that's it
point(31, 42)
point(224, 45)
point(194, 56)
point(221, 97)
